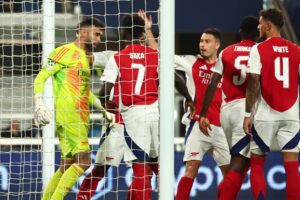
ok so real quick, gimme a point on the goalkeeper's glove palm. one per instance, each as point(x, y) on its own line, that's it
point(42, 115)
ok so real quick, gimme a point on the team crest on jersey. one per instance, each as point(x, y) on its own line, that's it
point(49, 65)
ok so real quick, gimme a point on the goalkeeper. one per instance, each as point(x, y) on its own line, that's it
point(69, 67)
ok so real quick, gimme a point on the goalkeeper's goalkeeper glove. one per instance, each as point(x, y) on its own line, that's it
point(42, 115)
point(109, 117)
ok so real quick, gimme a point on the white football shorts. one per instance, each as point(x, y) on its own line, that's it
point(112, 147)
point(232, 119)
point(285, 133)
point(197, 144)
point(141, 132)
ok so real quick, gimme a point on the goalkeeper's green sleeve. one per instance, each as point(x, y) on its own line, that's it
point(39, 81)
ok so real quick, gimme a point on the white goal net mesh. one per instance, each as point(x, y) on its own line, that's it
point(21, 43)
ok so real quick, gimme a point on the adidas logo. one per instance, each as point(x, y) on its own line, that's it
point(203, 67)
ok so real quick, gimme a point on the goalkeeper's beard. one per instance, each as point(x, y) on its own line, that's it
point(90, 46)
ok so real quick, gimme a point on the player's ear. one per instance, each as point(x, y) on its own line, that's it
point(83, 32)
point(218, 44)
point(268, 25)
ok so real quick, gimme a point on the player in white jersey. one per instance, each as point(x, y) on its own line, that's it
point(273, 86)
point(198, 73)
point(232, 65)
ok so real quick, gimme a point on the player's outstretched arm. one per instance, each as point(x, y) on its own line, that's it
point(182, 89)
point(94, 101)
point(104, 95)
point(209, 94)
point(109, 78)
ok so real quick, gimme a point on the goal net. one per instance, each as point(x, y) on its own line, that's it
point(22, 147)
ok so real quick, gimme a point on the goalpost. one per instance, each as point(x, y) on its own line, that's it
point(30, 30)
point(167, 38)
point(49, 130)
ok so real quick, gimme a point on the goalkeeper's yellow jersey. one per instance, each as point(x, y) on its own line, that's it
point(70, 69)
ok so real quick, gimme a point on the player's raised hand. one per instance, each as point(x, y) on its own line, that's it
point(42, 115)
point(247, 125)
point(190, 106)
point(204, 125)
point(147, 19)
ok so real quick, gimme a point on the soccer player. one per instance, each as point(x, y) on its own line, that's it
point(70, 69)
point(137, 68)
point(198, 73)
point(112, 144)
point(273, 86)
point(232, 65)
point(112, 148)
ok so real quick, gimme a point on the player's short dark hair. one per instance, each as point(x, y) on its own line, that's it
point(274, 16)
point(89, 22)
point(249, 25)
point(133, 25)
point(215, 32)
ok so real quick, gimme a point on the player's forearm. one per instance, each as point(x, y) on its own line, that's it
point(210, 92)
point(150, 39)
point(252, 91)
point(94, 101)
point(92, 98)
point(105, 92)
point(181, 87)
point(39, 81)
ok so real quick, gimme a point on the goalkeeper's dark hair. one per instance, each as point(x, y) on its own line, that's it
point(89, 22)
point(274, 16)
point(133, 26)
point(249, 27)
point(215, 32)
